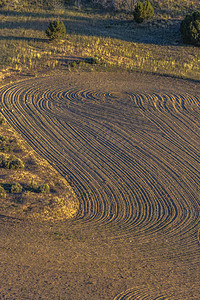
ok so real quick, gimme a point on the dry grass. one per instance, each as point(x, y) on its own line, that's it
point(114, 41)
point(60, 203)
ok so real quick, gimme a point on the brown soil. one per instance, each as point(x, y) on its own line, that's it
point(129, 146)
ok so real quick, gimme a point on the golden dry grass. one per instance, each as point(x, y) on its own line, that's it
point(114, 41)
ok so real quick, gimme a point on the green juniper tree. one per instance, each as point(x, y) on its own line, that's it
point(56, 30)
point(190, 29)
point(143, 11)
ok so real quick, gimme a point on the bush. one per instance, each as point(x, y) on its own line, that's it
point(143, 11)
point(2, 192)
point(11, 163)
point(6, 144)
point(2, 119)
point(33, 186)
point(4, 163)
point(16, 163)
point(190, 29)
point(3, 3)
point(3, 143)
point(44, 188)
point(56, 30)
point(16, 188)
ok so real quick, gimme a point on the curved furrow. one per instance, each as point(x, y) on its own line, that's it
point(171, 121)
point(134, 167)
point(190, 179)
point(137, 294)
point(122, 175)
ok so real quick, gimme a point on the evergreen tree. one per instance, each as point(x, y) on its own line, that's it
point(190, 29)
point(143, 11)
point(56, 30)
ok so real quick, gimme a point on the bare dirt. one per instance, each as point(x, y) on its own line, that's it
point(129, 146)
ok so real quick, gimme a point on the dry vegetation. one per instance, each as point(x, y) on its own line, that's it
point(32, 202)
point(111, 40)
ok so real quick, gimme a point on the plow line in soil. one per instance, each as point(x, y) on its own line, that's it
point(132, 158)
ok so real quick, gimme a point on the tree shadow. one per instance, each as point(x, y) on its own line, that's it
point(8, 218)
point(151, 32)
point(41, 26)
point(76, 60)
point(13, 13)
point(21, 38)
point(46, 15)
point(126, 30)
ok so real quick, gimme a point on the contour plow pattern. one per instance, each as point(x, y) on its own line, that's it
point(133, 159)
point(135, 294)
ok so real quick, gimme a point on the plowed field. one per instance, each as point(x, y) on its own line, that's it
point(130, 147)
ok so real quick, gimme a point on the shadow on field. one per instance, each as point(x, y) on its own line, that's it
point(158, 32)
point(21, 38)
point(42, 25)
point(11, 13)
point(47, 15)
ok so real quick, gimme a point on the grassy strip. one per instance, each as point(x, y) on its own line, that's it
point(108, 54)
point(25, 48)
point(113, 53)
point(36, 191)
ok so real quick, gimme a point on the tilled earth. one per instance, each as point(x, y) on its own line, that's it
point(129, 146)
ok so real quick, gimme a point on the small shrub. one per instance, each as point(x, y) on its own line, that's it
point(2, 119)
point(143, 11)
point(190, 29)
point(56, 30)
point(16, 163)
point(44, 188)
point(5, 144)
point(11, 162)
point(3, 3)
point(2, 192)
point(33, 187)
point(4, 163)
point(16, 188)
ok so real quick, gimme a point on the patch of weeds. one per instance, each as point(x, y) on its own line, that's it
point(4, 161)
point(4, 143)
point(57, 235)
point(60, 236)
point(7, 144)
point(33, 187)
point(25, 194)
point(74, 64)
point(44, 188)
point(11, 162)
point(2, 192)
point(16, 188)
point(2, 119)
point(16, 163)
